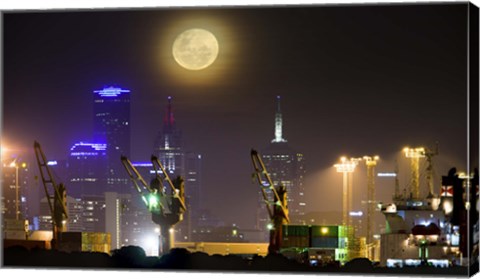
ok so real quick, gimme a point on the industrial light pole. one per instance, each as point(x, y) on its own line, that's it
point(347, 167)
point(414, 154)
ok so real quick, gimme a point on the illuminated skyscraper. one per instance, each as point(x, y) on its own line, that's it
point(14, 179)
point(171, 152)
point(112, 126)
point(87, 169)
point(286, 167)
point(169, 145)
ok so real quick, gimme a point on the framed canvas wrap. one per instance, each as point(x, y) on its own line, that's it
point(302, 139)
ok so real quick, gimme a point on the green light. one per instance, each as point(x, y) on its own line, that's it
point(153, 202)
point(270, 226)
point(234, 232)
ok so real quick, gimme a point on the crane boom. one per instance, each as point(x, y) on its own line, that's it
point(135, 175)
point(150, 199)
point(58, 209)
point(165, 212)
point(261, 174)
point(159, 169)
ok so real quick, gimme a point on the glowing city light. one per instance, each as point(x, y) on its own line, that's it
point(386, 174)
point(414, 152)
point(142, 164)
point(346, 166)
point(111, 91)
point(356, 213)
point(96, 146)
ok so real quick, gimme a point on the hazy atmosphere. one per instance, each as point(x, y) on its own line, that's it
point(354, 81)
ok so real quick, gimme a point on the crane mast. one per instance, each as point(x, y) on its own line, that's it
point(371, 162)
point(58, 208)
point(430, 173)
point(414, 154)
point(277, 209)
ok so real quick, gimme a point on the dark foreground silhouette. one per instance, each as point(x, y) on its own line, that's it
point(133, 257)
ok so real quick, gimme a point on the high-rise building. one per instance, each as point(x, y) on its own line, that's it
point(74, 211)
point(93, 213)
point(193, 194)
point(168, 145)
point(87, 169)
point(127, 224)
point(286, 167)
point(15, 177)
point(112, 126)
point(171, 152)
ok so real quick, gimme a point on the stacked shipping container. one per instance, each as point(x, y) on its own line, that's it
point(85, 242)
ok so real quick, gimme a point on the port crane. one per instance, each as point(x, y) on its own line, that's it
point(167, 208)
point(277, 209)
point(58, 208)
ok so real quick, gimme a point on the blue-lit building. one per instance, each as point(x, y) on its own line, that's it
point(111, 125)
point(87, 169)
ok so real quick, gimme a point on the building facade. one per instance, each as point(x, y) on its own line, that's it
point(87, 169)
point(286, 167)
point(170, 150)
point(15, 178)
point(111, 125)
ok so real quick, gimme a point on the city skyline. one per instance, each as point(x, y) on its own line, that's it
point(361, 88)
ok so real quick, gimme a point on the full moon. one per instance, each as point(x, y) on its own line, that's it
point(195, 49)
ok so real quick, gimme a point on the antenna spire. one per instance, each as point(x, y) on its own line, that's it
point(278, 123)
point(169, 120)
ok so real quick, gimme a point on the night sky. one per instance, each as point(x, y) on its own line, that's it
point(354, 80)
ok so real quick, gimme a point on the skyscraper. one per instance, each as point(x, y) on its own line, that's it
point(87, 168)
point(168, 145)
point(286, 167)
point(171, 152)
point(112, 126)
point(15, 177)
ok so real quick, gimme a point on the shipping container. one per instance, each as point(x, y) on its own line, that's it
point(296, 230)
point(85, 237)
point(295, 241)
point(329, 231)
point(84, 242)
point(325, 242)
